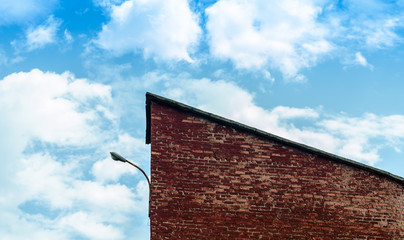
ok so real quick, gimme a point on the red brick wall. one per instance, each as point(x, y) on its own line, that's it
point(210, 181)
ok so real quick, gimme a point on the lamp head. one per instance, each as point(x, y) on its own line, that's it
point(115, 156)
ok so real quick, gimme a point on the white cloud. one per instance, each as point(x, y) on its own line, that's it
point(288, 112)
point(253, 34)
point(21, 226)
point(268, 36)
point(369, 124)
point(107, 3)
point(229, 100)
point(22, 10)
point(372, 22)
point(106, 170)
point(43, 178)
point(43, 34)
point(51, 107)
point(292, 35)
point(88, 226)
point(166, 30)
point(110, 203)
point(60, 188)
point(268, 76)
point(361, 60)
point(357, 134)
point(50, 120)
point(68, 36)
point(359, 149)
point(133, 149)
point(383, 34)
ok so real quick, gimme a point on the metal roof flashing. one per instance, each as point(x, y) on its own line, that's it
point(150, 97)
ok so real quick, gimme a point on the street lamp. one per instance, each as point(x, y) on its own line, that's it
point(115, 156)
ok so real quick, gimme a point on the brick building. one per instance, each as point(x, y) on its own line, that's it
point(213, 178)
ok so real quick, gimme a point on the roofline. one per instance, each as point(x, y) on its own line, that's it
point(150, 97)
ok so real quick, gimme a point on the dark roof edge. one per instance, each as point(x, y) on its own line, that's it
point(150, 97)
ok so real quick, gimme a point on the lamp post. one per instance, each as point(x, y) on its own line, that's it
point(115, 156)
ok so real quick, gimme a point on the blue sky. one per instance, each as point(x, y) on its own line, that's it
point(73, 75)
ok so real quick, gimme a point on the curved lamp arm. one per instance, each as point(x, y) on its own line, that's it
point(115, 156)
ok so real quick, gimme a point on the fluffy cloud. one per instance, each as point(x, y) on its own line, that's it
point(361, 60)
point(360, 134)
point(42, 35)
point(83, 207)
point(90, 227)
point(134, 149)
point(23, 10)
point(51, 130)
point(166, 30)
point(288, 112)
point(384, 34)
point(372, 23)
point(293, 35)
point(228, 100)
point(51, 107)
point(68, 36)
point(37, 37)
point(286, 36)
point(253, 34)
point(107, 3)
